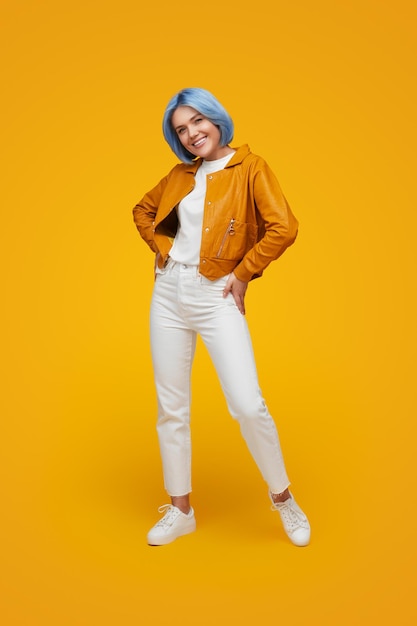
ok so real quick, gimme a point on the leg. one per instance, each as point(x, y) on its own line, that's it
point(226, 335)
point(228, 341)
point(173, 347)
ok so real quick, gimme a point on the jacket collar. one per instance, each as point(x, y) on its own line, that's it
point(240, 154)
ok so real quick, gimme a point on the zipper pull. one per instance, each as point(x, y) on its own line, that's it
point(231, 227)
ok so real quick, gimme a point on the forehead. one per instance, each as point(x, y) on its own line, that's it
point(182, 115)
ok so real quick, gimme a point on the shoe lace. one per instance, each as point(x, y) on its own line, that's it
point(291, 518)
point(170, 516)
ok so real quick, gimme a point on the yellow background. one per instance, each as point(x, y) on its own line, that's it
point(325, 91)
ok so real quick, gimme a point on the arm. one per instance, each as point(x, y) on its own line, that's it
point(145, 211)
point(277, 224)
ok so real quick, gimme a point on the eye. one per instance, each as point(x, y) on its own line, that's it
point(180, 131)
point(198, 119)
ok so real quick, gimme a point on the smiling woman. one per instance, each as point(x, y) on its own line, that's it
point(200, 105)
point(198, 135)
point(215, 222)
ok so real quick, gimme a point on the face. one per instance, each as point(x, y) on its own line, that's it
point(197, 134)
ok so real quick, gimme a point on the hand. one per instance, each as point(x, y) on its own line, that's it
point(157, 255)
point(238, 289)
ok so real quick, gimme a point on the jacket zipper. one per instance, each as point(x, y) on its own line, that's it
point(230, 230)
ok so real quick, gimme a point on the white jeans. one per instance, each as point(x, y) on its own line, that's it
point(185, 303)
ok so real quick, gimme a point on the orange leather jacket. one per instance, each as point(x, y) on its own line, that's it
point(247, 222)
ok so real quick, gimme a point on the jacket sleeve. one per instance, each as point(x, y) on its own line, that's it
point(145, 211)
point(277, 225)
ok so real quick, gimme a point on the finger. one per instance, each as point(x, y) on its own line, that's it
point(242, 303)
point(227, 288)
point(239, 303)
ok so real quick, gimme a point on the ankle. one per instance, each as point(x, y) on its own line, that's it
point(281, 497)
point(183, 509)
point(182, 503)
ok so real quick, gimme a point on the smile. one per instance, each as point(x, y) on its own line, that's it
point(199, 143)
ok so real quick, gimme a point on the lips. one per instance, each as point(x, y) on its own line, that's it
point(199, 143)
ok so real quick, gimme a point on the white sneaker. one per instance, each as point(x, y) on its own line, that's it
point(294, 521)
point(173, 524)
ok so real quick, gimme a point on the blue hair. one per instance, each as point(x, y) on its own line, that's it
point(205, 103)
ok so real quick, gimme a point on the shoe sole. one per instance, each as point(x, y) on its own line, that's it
point(163, 541)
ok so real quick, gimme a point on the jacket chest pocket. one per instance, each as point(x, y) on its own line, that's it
point(235, 239)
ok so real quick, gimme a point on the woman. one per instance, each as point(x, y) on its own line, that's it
point(215, 222)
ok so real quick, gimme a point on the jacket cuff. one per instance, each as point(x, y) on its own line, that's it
point(242, 274)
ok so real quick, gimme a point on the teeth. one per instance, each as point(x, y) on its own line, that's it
point(199, 142)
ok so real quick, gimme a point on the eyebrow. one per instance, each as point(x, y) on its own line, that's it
point(190, 120)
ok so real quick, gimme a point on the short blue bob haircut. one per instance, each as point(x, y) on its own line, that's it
point(205, 103)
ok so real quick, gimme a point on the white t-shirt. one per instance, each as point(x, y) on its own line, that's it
point(187, 242)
